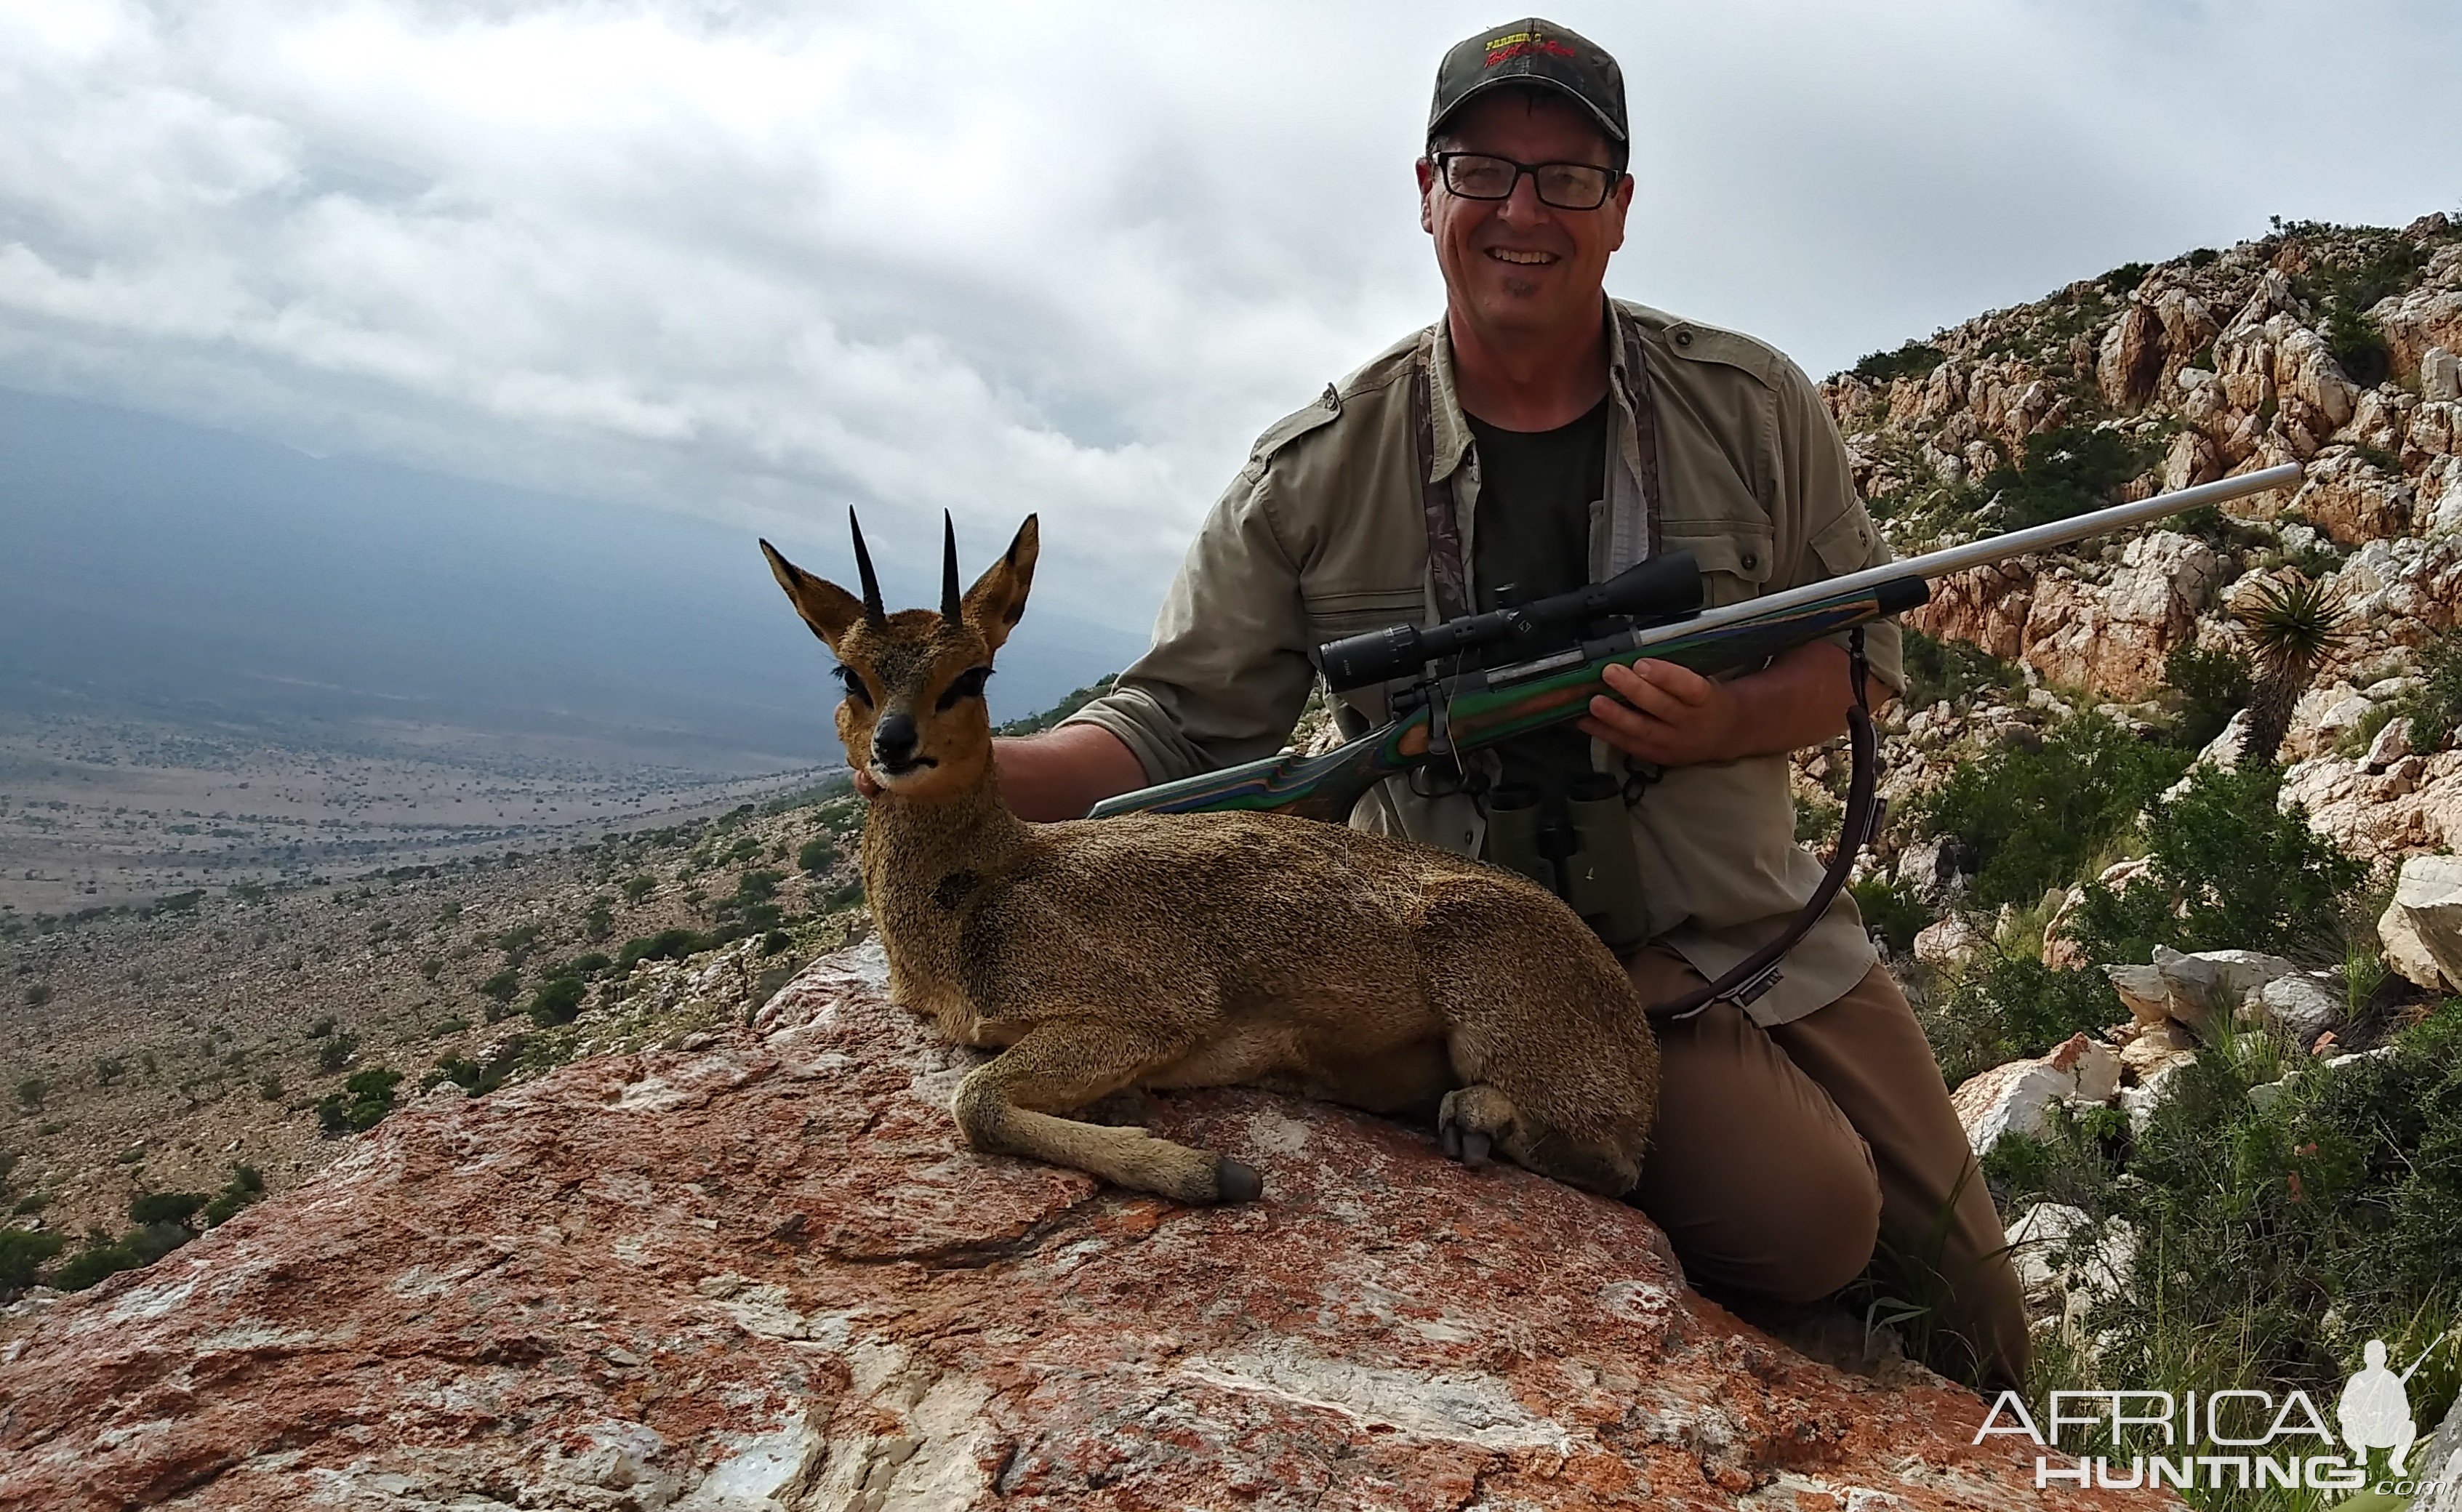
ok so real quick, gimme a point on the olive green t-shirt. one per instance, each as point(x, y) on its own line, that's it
point(1533, 537)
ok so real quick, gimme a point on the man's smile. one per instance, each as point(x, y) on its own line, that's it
point(1521, 257)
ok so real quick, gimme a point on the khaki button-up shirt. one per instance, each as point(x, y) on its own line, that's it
point(1322, 534)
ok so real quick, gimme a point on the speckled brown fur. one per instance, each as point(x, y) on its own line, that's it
point(1193, 950)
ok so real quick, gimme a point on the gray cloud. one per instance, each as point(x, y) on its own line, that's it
point(764, 264)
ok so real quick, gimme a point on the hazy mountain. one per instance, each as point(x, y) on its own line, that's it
point(151, 566)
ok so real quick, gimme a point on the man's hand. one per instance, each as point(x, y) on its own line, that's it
point(1669, 716)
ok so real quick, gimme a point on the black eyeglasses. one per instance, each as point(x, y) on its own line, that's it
point(1565, 185)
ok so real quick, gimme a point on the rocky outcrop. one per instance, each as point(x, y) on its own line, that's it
point(2108, 631)
point(766, 1276)
point(2413, 804)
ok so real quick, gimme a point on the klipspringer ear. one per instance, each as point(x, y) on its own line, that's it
point(829, 609)
point(993, 605)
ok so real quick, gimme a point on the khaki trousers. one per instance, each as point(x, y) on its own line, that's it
point(1784, 1159)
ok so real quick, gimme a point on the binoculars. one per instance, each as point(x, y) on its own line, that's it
point(1583, 855)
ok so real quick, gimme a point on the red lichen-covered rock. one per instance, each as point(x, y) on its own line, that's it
point(766, 1276)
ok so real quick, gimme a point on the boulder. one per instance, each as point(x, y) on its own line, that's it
point(1949, 943)
point(2131, 358)
point(2439, 1467)
point(2440, 376)
point(768, 1275)
point(2014, 1097)
point(2143, 992)
point(2153, 1048)
point(2422, 927)
point(2303, 1004)
point(1930, 867)
point(2141, 1101)
point(2208, 982)
point(2066, 1261)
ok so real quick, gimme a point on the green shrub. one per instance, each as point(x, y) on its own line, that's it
point(2434, 708)
point(109, 1069)
point(601, 921)
point(102, 1257)
point(2212, 685)
point(334, 1052)
point(1951, 669)
point(321, 1027)
point(1893, 911)
point(667, 944)
point(361, 1103)
point(502, 986)
point(2065, 472)
point(164, 1208)
point(269, 1087)
point(559, 1002)
point(1915, 359)
point(246, 1186)
point(817, 855)
point(37, 993)
point(2124, 279)
point(637, 888)
point(478, 1078)
point(30, 1092)
point(776, 941)
point(2033, 818)
point(2227, 870)
point(23, 1252)
point(589, 964)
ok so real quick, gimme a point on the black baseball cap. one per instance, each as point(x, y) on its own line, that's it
point(1531, 53)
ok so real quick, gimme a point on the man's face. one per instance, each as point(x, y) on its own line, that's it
point(1520, 265)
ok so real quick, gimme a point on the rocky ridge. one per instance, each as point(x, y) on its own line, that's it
point(2201, 367)
point(766, 1275)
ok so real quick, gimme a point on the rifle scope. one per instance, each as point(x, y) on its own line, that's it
point(1664, 586)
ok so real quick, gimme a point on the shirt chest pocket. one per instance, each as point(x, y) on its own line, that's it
point(1734, 563)
point(1333, 613)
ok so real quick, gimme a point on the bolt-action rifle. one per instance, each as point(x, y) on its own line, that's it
point(1480, 679)
point(1473, 682)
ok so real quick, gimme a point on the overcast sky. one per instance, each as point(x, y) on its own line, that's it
point(762, 262)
